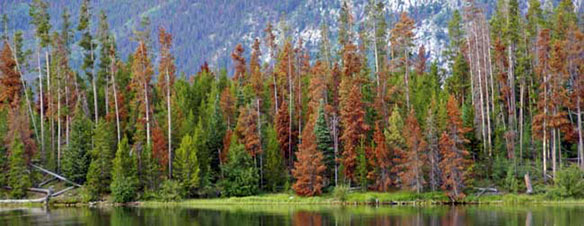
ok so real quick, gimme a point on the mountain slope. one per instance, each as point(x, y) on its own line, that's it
point(207, 30)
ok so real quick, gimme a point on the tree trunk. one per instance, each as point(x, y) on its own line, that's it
point(94, 86)
point(42, 105)
point(580, 139)
point(115, 91)
point(406, 77)
point(290, 103)
point(147, 114)
point(334, 124)
point(169, 115)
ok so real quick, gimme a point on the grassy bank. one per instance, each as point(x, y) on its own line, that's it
point(351, 198)
point(366, 198)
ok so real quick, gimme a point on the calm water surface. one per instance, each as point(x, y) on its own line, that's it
point(297, 215)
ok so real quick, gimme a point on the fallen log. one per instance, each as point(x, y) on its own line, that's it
point(484, 190)
point(62, 191)
point(56, 175)
point(46, 182)
point(48, 192)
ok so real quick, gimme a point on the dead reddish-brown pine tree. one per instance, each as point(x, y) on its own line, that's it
point(412, 175)
point(354, 129)
point(455, 163)
point(380, 161)
point(309, 167)
point(10, 84)
point(239, 63)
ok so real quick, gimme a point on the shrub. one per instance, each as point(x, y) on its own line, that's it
point(124, 191)
point(569, 183)
point(170, 190)
point(341, 192)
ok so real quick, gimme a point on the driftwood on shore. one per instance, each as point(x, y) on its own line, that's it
point(48, 192)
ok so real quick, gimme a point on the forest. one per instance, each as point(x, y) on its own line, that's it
point(369, 112)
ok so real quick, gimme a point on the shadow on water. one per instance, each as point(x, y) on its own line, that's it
point(298, 215)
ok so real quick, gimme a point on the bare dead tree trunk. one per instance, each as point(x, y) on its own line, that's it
point(147, 114)
point(169, 118)
point(580, 139)
point(115, 91)
point(49, 100)
point(42, 105)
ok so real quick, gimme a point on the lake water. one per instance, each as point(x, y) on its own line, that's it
point(297, 215)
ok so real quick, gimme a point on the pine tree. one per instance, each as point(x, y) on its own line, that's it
point(240, 177)
point(239, 63)
point(19, 178)
point(380, 161)
point(362, 169)
point(396, 144)
point(99, 173)
point(401, 41)
point(76, 158)
point(455, 163)
point(89, 48)
point(275, 169)
point(9, 78)
point(435, 175)
point(324, 142)
point(282, 124)
point(309, 167)
point(140, 87)
point(412, 176)
point(187, 167)
point(125, 181)
point(353, 116)
point(166, 83)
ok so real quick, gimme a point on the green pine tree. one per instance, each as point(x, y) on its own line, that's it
point(19, 175)
point(186, 165)
point(324, 142)
point(99, 174)
point(362, 167)
point(274, 170)
point(240, 176)
point(76, 157)
point(125, 182)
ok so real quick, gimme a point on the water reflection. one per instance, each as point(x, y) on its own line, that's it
point(297, 215)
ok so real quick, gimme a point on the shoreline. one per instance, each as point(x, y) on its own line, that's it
point(352, 199)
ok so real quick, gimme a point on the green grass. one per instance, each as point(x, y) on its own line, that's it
point(326, 199)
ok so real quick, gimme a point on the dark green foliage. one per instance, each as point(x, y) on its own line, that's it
point(125, 182)
point(3, 150)
point(324, 142)
point(274, 170)
point(362, 167)
point(19, 176)
point(99, 174)
point(150, 173)
point(41, 20)
point(76, 157)
point(240, 176)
